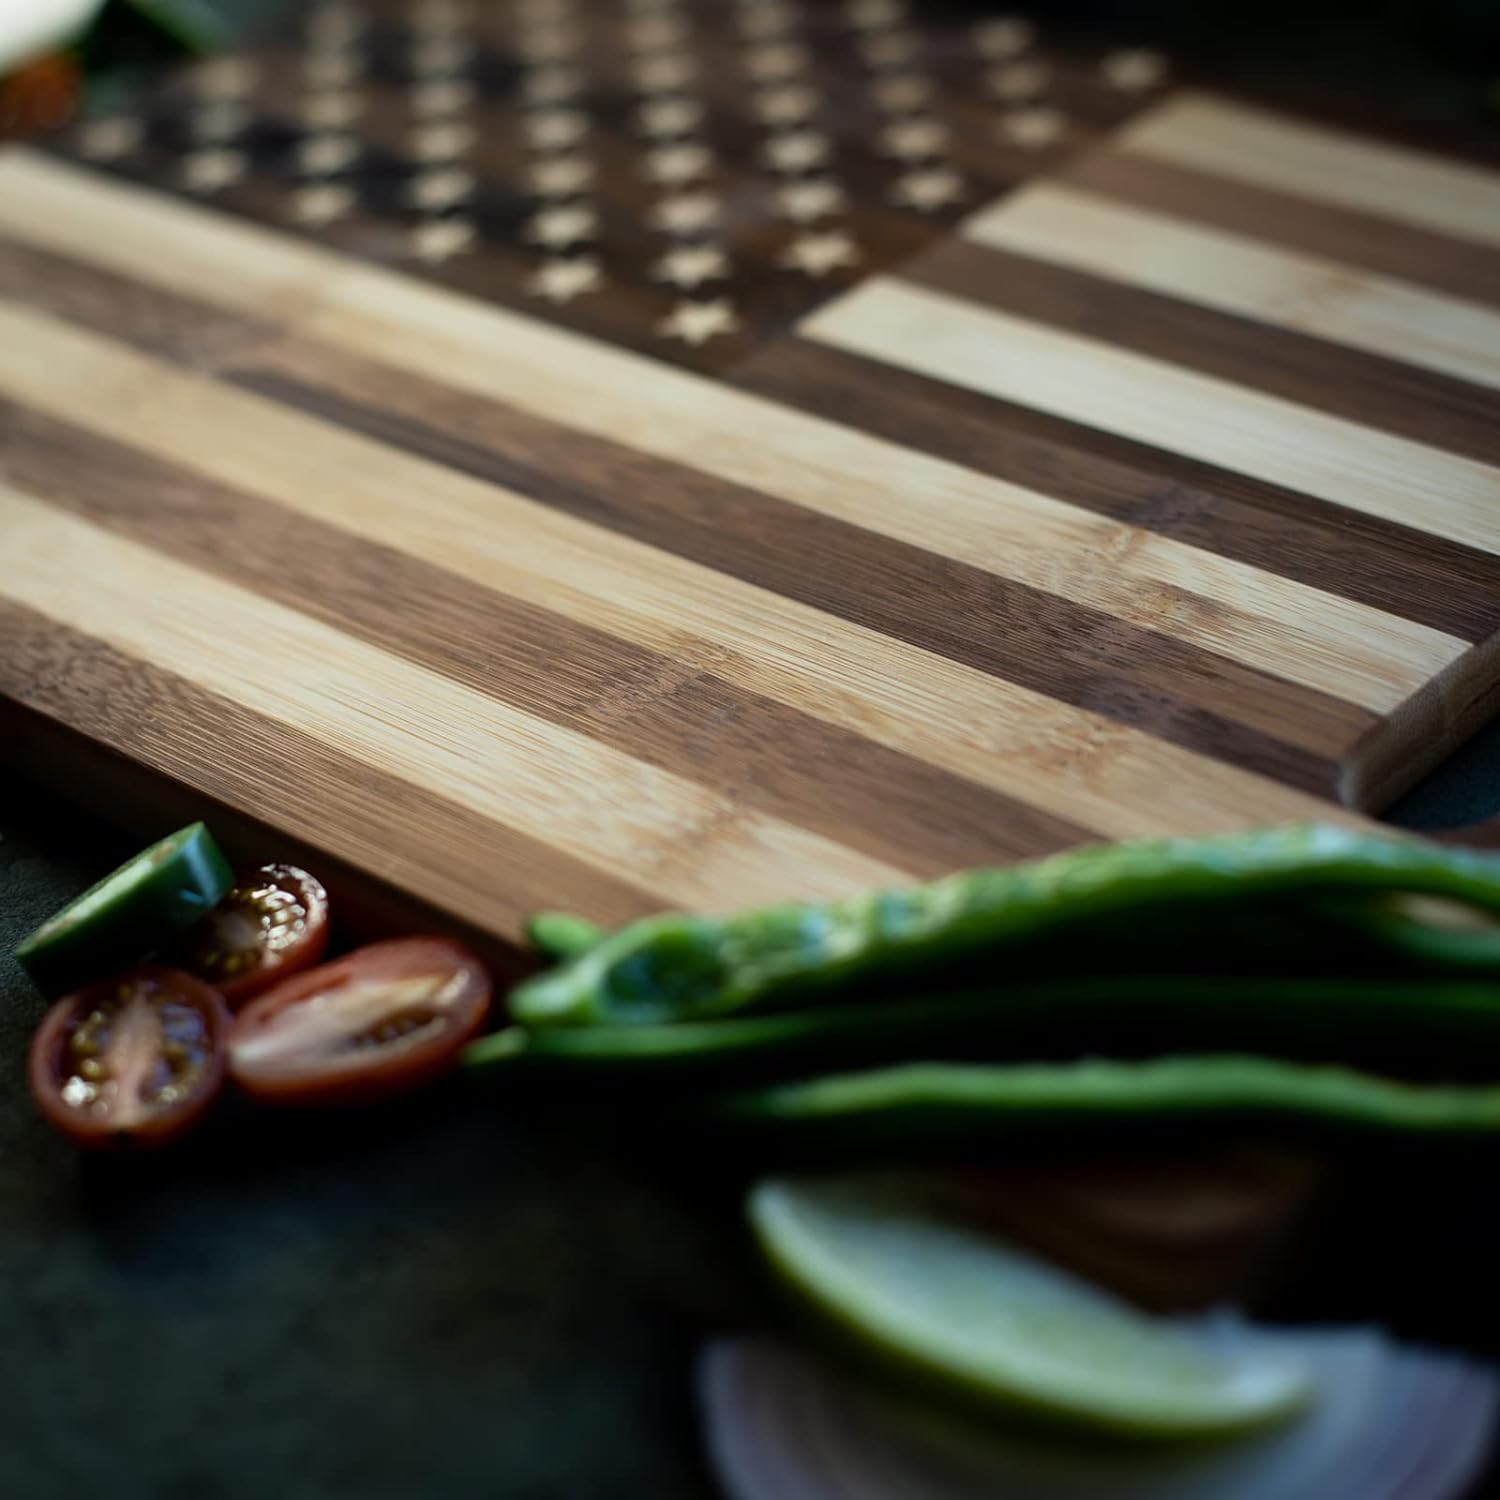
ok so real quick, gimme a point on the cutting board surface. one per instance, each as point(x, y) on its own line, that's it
point(1160, 493)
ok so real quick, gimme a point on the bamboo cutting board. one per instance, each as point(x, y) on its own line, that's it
point(884, 510)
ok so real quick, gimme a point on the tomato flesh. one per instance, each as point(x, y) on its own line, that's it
point(271, 925)
point(131, 1061)
point(382, 1020)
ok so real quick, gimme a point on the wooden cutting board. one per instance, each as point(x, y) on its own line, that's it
point(1148, 484)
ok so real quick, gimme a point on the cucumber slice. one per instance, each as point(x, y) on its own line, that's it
point(129, 913)
point(892, 1268)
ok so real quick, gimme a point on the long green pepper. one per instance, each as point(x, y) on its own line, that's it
point(679, 968)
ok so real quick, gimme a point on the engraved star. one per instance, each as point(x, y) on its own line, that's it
point(560, 176)
point(441, 188)
point(1006, 37)
point(697, 322)
point(928, 188)
point(556, 128)
point(219, 119)
point(775, 60)
point(874, 13)
point(561, 281)
point(789, 104)
point(441, 239)
point(320, 154)
point(441, 140)
point(661, 118)
point(797, 151)
point(331, 111)
point(887, 49)
point(562, 225)
point(818, 254)
point(552, 85)
point(441, 96)
point(322, 203)
point(661, 75)
point(689, 266)
point(1134, 69)
point(208, 171)
point(656, 33)
point(1019, 80)
point(1033, 128)
point(806, 201)
point(332, 70)
point(911, 140)
point(227, 77)
point(110, 138)
point(674, 165)
point(685, 213)
point(331, 27)
point(901, 91)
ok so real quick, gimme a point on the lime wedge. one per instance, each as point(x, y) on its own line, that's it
point(129, 913)
point(890, 1263)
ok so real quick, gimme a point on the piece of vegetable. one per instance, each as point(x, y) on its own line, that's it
point(934, 1103)
point(271, 925)
point(562, 936)
point(133, 1061)
point(1263, 1012)
point(1389, 1422)
point(675, 968)
point(382, 1020)
point(888, 1265)
point(138, 909)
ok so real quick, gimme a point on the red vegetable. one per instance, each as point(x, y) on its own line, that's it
point(383, 1020)
point(133, 1061)
point(271, 925)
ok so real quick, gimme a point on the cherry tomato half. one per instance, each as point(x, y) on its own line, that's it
point(271, 925)
point(133, 1061)
point(382, 1020)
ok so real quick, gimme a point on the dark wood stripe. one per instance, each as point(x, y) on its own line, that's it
point(673, 714)
point(1196, 698)
point(182, 328)
point(1385, 246)
point(1394, 568)
point(1423, 405)
point(293, 782)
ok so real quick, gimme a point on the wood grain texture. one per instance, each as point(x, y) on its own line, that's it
point(1099, 516)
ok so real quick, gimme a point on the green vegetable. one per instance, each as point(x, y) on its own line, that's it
point(562, 936)
point(891, 1265)
point(679, 968)
point(967, 1103)
point(1265, 1012)
point(130, 913)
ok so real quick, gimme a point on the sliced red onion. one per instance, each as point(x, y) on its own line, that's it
point(1391, 1422)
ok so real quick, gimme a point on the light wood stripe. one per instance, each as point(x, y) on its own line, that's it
point(294, 783)
point(593, 803)
point(1225, 271)
point(1066, 762)
point(670, 712)
point(1089, 381)
point(1251, 145)
point(1279, 626)
point(1398, 569)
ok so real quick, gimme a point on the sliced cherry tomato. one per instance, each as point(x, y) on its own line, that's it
point(271, 925)
point(382, 1020)
point(133, 1061)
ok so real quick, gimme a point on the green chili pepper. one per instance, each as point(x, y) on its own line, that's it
point(129, 913)
point(965, 1104)
point(676, 968)
point(1265, 1013)
point(561, 936)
